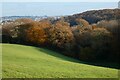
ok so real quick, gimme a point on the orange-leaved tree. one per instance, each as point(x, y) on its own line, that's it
point(36, 33)
point(61, 36)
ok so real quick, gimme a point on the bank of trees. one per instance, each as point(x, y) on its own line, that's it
point(82, 41)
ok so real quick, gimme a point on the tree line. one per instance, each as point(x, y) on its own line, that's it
point(84, 41)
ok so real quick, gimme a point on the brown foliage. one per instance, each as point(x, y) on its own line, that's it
point(82, 22)
point(36, 32)
point(82, 35)
point(94, 26)
point(100, 37)
point(36, 35)
point(24, 20)
point(14, 28)
point(92, 43)
point(60, 35)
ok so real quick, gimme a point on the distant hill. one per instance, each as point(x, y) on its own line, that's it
point(94, 16)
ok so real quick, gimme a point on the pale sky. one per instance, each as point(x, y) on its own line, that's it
point(52, 8)
point(59, 0)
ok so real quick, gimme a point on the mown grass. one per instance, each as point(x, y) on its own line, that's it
point(20, 61)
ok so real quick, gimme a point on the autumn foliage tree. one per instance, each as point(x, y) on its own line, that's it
point(93, 44)
point(82, 22)
point(61, 36)
point(24, 20)
point(36, 33)
point(11, 29)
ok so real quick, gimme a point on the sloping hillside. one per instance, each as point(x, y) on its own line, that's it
point(31, 62)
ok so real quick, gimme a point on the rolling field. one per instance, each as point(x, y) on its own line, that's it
point(19, 61)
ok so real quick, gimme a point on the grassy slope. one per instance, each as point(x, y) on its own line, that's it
point(30, 62)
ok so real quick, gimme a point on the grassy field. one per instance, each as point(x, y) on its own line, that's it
point(31, 62)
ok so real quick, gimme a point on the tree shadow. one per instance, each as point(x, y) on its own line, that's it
point(56, 54)
point(66, 58)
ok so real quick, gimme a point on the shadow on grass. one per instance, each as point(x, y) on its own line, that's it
point(57, 54)
point(63, 57)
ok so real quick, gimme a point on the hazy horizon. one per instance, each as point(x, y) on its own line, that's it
point(52, 8)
